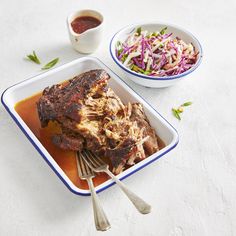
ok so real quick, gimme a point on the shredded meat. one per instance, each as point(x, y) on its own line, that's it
point(150, 145)
point(92, 116)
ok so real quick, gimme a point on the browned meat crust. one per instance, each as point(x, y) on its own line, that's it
point(92, 116)
point(68, 142)
point(61, 101)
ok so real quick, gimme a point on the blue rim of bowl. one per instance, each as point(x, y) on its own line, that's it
point(151, 77)
point(41, 152)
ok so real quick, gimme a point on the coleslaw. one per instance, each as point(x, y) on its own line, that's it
point(156, 53)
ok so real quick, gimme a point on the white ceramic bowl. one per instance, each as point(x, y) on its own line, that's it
point(36, 84)
point(151, 81)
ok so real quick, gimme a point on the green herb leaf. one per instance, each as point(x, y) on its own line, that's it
point(138, 31)
point(120, 51)
point(137, 69)
point(163, 31)
point(176, 113)
point(118, 44)
point(154, 34)
point(124, 57)
point(50, 64)
point(186, 104)
point(33, 57)
point(147, 72)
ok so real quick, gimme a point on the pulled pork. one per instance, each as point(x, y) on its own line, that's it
point(92, 116)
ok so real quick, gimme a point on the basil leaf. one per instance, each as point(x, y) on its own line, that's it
point(50, 64)
point(176, 113)
point(186, 104)
point(33, 57)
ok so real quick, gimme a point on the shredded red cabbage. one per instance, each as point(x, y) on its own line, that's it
point(156, 53)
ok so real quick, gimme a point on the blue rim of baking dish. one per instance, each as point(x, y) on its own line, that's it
point(48, 162)
point(152, 77)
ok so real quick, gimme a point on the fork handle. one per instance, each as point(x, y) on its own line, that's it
point(139, 203)
point(100, 218)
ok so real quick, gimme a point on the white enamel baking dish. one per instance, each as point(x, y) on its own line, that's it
point(28, 87)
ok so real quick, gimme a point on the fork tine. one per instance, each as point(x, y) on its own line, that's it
point(96, 158)
point(88, 169)
point(81, 165)
point(78, 165)
point(88, 159)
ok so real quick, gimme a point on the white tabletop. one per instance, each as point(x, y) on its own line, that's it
point(192, 189)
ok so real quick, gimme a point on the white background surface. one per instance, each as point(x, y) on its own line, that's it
point(192, 189)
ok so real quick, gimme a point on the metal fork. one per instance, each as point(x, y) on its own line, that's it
point(97, 165)
point(101, 221)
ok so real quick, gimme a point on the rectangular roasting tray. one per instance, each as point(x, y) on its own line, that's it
point(31, 86)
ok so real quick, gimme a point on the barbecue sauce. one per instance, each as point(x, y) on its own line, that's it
point(65, 159)
point(83, 23)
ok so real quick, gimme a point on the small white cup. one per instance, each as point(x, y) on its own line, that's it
point(89, 40)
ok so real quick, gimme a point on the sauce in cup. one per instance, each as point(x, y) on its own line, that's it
point(85, 28)
point(83, 23)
